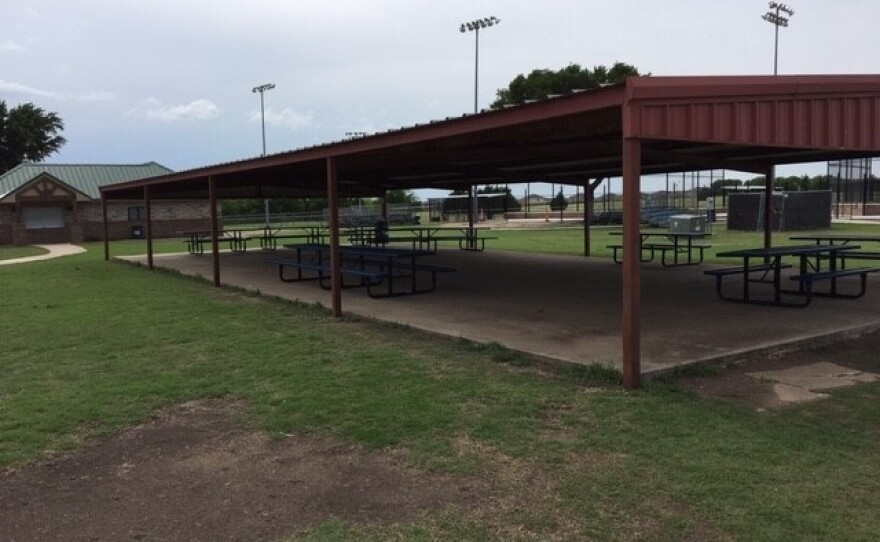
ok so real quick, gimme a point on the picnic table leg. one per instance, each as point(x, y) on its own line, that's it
point(777, 285)
point(412, 262)
point(832, 266)
point(390, 267)
point(803, 268)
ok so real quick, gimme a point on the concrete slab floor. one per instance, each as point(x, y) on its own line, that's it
point(567, 308)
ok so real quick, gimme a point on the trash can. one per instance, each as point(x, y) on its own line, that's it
point(137, 232)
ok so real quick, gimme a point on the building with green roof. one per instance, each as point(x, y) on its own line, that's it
point(61, 203)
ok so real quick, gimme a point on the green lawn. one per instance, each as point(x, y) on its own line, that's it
point(570, 239)
point(612, 464)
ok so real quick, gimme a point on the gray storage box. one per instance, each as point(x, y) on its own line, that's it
point(687, 224)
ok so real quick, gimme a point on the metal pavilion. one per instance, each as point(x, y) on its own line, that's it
point(645, 125)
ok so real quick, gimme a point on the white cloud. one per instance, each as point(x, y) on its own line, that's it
point(10, 47)
point(287, 117)
point(195, 110)
point(90, 96)
point(18, 88)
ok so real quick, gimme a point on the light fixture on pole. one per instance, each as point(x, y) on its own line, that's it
point(262, 89)
point(773, 17)
point(475, 26)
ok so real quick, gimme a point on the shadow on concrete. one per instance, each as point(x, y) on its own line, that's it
point(569, 308)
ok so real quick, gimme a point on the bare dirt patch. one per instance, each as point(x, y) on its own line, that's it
point(192, 474)
point(766, 382)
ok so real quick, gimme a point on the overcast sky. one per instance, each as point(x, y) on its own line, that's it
point(171, 81)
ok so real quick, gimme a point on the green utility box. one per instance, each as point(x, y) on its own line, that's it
point(687, 224)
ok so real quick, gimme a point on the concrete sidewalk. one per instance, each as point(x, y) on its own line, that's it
point(55, 251)
point(568, 308)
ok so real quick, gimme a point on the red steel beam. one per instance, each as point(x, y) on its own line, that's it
point(149, 229)
point(588, 212)
point(632, 283)
point(106, 236)
point(768, 207)
point(215, 243)
point(335, 263)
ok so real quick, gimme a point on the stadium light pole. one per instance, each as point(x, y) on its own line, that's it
point(262, 89)
point(475, 26)
point(773, 17)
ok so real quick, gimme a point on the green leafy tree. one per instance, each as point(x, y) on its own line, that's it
point(508, 203)
point(401, 196)
point(27, 132)
point(558, 203)
point(543, 82)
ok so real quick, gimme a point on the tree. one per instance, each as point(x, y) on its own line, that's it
point(401, 196)
point(27, 132)
point(541, 83)
point(508, 203)
point(558, 203)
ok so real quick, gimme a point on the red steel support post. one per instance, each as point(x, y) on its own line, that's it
point(768, 207)
point(148, 207)
point(106, 232)
point(632, 283)
point(333, 206)
point(588, 204)
point(215, 243)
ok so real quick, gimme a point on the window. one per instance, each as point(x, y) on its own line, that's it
point(42, 217)
point(136, 214)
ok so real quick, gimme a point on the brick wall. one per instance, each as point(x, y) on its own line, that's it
point(170, 219)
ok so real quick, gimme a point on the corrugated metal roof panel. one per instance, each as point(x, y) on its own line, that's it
point(86, 178)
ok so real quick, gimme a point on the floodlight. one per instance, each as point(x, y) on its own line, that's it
point(777, 20)
point(476, 25)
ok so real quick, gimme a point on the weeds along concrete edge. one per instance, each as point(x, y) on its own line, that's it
point(745, 355)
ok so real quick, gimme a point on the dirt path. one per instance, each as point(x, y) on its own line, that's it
point(190, 474)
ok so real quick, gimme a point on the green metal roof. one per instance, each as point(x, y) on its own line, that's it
point(86, 178)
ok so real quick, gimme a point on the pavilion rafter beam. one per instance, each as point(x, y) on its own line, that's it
point(688, 160)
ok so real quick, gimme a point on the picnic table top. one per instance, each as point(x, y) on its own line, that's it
point(363, 251)
point(416, 229)
point(646, 234)
point(836, 237)
point(208, 232)
point(785, 250)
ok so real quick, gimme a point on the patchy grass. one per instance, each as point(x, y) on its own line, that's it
point(566, 454)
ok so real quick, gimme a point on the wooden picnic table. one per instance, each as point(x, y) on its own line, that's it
point(680, 244)
point(768, 261)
